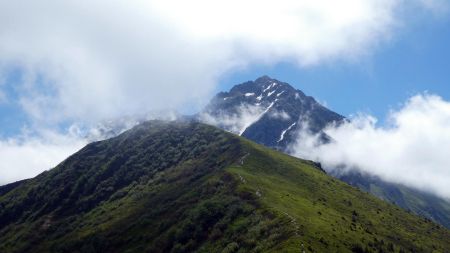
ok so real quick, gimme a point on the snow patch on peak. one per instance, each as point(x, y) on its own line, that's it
point(249, 94)
point(279, 94)
point(270, 93)
point(269, 87)
point(285, 131)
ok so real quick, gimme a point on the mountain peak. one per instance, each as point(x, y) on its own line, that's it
point(264, 78)
point(263, 88)
point(267, 111)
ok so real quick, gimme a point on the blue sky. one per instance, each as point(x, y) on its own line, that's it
point(13, 118)
point(416, 61)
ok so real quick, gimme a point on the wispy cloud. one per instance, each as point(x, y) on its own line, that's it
point(236, 122)
point(412, 149)
point(279, 115)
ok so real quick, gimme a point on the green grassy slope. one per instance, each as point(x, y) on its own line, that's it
point(189, 187)
point(329, 215)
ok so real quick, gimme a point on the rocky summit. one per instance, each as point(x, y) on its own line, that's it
point(268, 111)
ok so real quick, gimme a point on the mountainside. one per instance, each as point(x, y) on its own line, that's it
point(267, 111)
point(272, 113)
point(185, 186)
point(418, 202)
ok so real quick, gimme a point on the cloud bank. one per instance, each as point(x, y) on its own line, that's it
point(89, 61)
point(37, 150)
point(95, 60)
point(411, 150)
point(26, 156)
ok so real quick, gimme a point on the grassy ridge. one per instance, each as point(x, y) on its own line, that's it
point(189, 187)
point(158, 188)
point(328, 215)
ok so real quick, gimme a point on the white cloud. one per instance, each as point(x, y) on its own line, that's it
point(245, 115)
point(28, 156)
point(306, 31)
point(100, 59)
point(38, 149)
point(279, 115)
point(91, 60)
point(411, 150)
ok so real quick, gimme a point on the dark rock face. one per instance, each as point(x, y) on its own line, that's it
point(274, 111)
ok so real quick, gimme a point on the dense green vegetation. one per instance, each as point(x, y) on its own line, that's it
point(329, 215)
point(184, 187)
